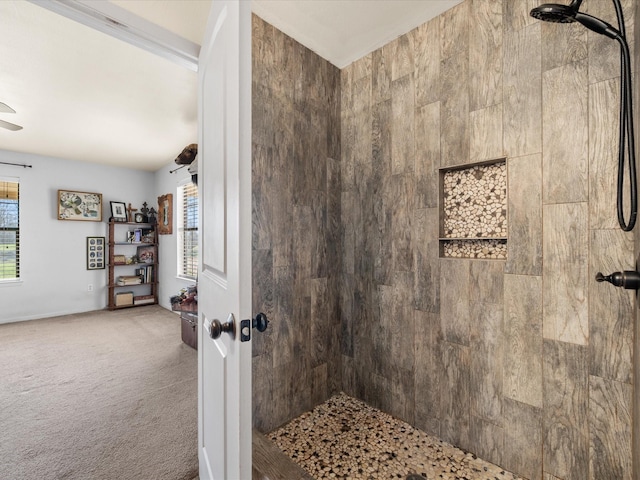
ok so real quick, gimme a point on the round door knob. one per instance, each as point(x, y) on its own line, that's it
point(260, 323)
point(217, 328)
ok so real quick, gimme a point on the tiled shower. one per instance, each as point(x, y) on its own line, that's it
point(526, 362)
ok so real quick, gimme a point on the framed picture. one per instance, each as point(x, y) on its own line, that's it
point(137, 235)
point(146, 254)
point(118, 211)
point(165, 214)
point(95, 253)
point(79, 206)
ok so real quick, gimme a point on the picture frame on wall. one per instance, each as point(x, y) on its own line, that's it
point(165, 214)
point(83, 206)
point(95, 253)
point(118, 211)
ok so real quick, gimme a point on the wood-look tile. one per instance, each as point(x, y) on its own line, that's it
point(362, 121)
point(348, 203)
point(346, 314)
point(603, 154)
point(283, 323)
point(565, 416)
point(427, 371)
point(485, 129)
point(262, 297)
point(522, 117)
point(454, 300)
point(516, 14)
point(487, 440)
point(427, 154)
point(486, 283)
point(562, 44)
point(454, 424)
point(610, 309)
point(262, 387)
point(402, 198)
point(522, 439)
point(485, 54)
point(402, 327)
point(402, 55)
point(565, 150)
point(454, 31)
point(318, 235)
point(319, 323)
point(524, 247)
point(381, 63)
point(403, 125)
point(486, 348)
point(348, 375)
point(565, 273)
point(426, 260)
point(523, 339)
point(454, 110)
point(610, 420)
point(427, 62)
point(261, 198)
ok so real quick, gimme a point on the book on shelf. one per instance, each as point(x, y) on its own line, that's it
point(129, 280)
point(145, 273)
point(144, 299)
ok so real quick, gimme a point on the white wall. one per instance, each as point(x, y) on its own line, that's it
point(53, 272)
point(169, 283)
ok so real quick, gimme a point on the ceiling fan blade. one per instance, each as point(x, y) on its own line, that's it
point(10, 126)
point(4, 108)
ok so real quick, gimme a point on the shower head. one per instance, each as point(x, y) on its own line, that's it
point(557, 13)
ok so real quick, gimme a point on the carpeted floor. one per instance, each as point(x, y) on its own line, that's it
point(100, 396)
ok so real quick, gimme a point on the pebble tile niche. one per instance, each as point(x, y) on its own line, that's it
point(474, 211)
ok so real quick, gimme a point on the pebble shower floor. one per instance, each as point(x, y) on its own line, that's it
point(344, 438)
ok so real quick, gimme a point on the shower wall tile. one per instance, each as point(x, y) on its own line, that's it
point(402, 128)
point(523, 339)
point(603, 154)
point(401, 198)
point(524, 248)
point(522, 93)
point(427, 155)
point(454, 31)
point(297, 252)
point(610, 321)
point(516, 14)
point(610, 416)
point(562, 44)
point(426, 260)
point(486, 348)
point(454, 300)
point(381, 64)
point(427, 62)
point(565, 273)
point(485, 54)
point(566, 415)
point(565, 133)
point(522, 439)
point(604, 54)
point(454, 110)
point(428, 372)
point(486, 282)
point(485, 128)
point(402, 55)
point(454, 423)
point(487, 440)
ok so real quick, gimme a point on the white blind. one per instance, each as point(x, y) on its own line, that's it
point(188, 231)
point(9, 230)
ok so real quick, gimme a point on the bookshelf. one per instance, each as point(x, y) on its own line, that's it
point(133, 265)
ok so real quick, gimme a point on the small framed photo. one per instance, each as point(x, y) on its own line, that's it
point(79, 206)
point(95, 253)
point(119, 211)
point(137, 235)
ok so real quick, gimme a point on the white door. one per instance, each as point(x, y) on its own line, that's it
point(224, 280)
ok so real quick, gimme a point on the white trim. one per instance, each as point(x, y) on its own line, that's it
point(124, 25)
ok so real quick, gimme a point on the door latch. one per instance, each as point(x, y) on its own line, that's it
point(260, 323)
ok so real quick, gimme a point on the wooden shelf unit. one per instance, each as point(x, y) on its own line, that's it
point(147, 290)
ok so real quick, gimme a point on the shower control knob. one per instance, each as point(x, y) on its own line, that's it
point(628, 279)
point(260, 323)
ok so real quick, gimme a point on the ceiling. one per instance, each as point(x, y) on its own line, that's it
point(84, 95)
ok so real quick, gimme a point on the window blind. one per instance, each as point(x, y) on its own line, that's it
point(189, 231)
point(9, 230)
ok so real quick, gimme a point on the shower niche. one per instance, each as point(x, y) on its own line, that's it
point(473, 210)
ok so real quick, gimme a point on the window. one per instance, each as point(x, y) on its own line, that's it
point(188, 231)
point(9, 230)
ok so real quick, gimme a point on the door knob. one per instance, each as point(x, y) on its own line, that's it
point(628, 279)
point(217, 328)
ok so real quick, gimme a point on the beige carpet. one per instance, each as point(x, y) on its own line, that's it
point(102, 395)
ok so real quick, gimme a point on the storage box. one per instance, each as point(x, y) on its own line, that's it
point(124, 298)
point(189, 323)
